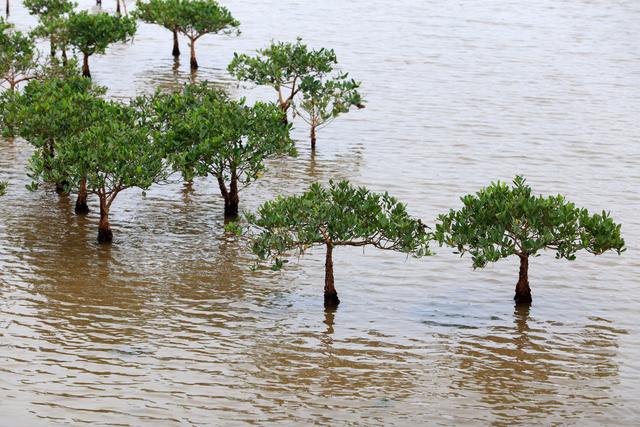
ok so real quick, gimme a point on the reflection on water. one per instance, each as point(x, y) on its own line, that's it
point(534, 370)
point(169, 326)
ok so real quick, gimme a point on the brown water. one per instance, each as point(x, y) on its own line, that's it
point(169, 327)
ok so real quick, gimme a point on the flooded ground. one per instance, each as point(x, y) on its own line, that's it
point(168, 326)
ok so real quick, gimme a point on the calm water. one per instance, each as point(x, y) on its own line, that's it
point(169, 327)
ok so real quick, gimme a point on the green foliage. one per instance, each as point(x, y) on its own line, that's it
point(197, 18)
point(206, 133)
point(3, 188)
point(340, 215)
point(283, 66)
point(18, 57)
point(160, 12)
point(502, 220)
point(114, 153)
point(326, 97)
point(52, 17)
point(56, 108)
point(92, 34)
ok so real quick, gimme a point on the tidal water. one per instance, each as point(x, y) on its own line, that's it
point(170, 327)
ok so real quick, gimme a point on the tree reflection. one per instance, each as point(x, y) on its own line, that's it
point(546, 371)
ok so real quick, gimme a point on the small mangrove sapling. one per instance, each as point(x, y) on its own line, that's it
point(337, 215)
point(501, 220)
point(18, 57)
point(163, 13)
point(49, 112)
point(197, 18)
point(283, 66)
point(91, 34)
point(326, 97)
point(112, 155)
point(206, 133)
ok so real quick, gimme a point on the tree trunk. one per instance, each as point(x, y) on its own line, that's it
point(313, 137)
point(285, 108)
point(118, 7)
point(85, 66)
point(232, 200)
point(81, 202)
point(64, 55)
point(194, 62)
point(52, 49)
point(176, 45)
point(523, 292)
point(331, 299)
point(7, 8)
point(104, 229)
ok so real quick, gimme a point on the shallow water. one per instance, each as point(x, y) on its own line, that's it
point(168, 326)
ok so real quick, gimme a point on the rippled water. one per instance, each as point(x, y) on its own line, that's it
point(169, 327)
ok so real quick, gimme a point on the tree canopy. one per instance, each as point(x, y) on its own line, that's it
point(116, 152)
point(197, 18)
point(326, 97)
point(206, 133)
point(52, 16)
point(93, 33)
point(283, 66)
point(501, 220)
point(337, 215)
point(163, 13)
point(18, 57)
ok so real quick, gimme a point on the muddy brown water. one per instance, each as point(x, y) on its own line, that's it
point(168, 326)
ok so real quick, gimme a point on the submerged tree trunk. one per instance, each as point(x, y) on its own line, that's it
point(194, 62)
point(81, 202)
point(331, 299)
point(232, 202)
point(85, 66)
point(105, 235)
point(52, 49)
point(313, 137)
point(176, 45)
point(230, 195)
point(523, 292)
point(65, 61)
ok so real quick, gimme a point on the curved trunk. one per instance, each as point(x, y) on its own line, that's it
point(194, 62)
point(105, 235)
point(523, 292)
point(85, 66)
point(313, 137)
point(176, 45)
point(81, 202)
point(331, 299)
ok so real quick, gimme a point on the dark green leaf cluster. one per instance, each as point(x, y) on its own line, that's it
point(337, 215)
point(55, 108)
point(114, 153)
point(93, 33)
point(3, 188)
point(502, 220)
point(206, 133)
